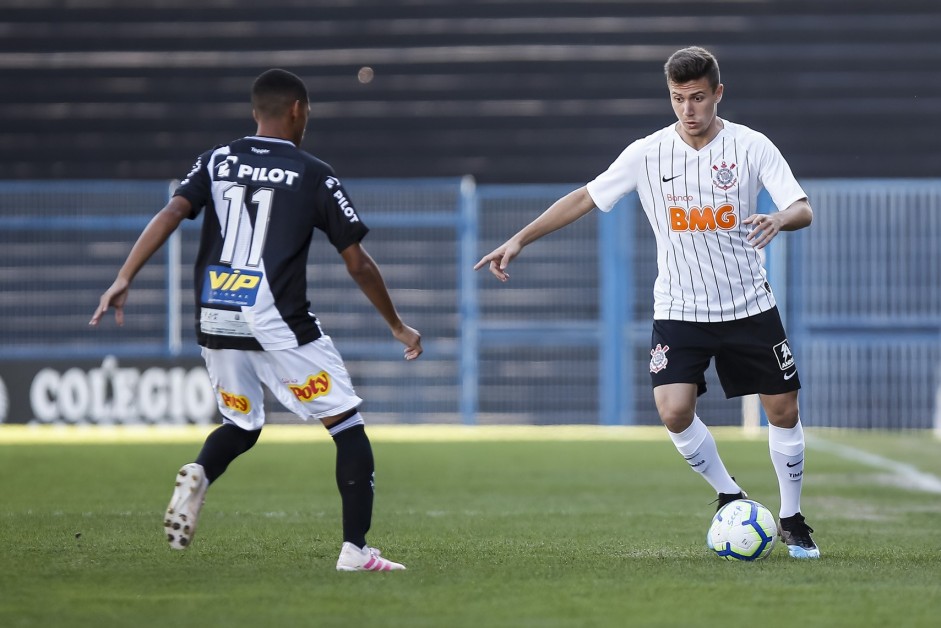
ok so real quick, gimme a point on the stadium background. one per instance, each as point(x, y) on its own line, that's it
point(454, 124)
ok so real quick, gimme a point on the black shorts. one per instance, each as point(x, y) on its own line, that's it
point(752, 355)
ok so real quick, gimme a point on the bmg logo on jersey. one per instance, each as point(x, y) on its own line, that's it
point(316, 386)
point(703, 218)
point(228, 286)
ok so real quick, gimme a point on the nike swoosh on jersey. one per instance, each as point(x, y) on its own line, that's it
point(790, 375)
point(666, 180)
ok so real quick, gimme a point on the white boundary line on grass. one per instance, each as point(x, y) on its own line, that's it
point(907, 476)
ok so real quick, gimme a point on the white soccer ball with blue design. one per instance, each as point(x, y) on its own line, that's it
point(742, 530)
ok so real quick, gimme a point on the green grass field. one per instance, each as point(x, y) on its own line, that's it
point(517, 533)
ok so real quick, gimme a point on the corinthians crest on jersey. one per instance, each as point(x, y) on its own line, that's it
point(723, 175)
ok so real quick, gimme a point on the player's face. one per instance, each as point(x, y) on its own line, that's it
point(694, 104)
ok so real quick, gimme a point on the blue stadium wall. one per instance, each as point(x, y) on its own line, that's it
point(567, 341)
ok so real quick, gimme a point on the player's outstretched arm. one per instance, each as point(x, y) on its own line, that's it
point(365, 273)
point(150, 240)
point(563, 212)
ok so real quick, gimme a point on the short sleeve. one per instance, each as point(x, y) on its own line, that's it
point(337, 217)
point(619, 179)
point(196, 187)
point(776, 176)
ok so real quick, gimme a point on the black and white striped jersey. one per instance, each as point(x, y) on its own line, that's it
point(695, 201)
point(263, 197)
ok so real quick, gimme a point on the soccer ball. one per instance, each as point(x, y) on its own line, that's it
point(742, 530)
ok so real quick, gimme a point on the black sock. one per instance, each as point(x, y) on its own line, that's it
point(355, 469)
point(224, 445)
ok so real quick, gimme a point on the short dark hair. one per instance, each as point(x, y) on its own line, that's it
point(690, 64)
point(274, 91)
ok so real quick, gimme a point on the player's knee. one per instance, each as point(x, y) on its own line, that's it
point(676, 418)
point(782, 410)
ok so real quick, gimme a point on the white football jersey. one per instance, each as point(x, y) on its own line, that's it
point(695, 201)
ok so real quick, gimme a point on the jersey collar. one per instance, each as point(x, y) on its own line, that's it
point(262, 138)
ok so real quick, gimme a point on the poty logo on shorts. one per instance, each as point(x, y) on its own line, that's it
point(658, 358)
point(316, 386)
point(236, 402)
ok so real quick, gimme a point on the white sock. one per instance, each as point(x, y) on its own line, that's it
point(698, 447)
point(787, 456)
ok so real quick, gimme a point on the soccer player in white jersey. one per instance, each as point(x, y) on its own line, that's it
point(698, 181)
point(263, 198)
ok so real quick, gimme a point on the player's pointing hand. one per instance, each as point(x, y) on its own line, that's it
point(499, 259)
point(115, 296)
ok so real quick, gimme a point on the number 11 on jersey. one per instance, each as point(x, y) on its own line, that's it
point(235, 197)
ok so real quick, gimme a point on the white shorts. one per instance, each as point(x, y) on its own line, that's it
point(310, 381)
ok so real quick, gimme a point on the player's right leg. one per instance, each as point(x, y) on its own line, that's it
point(241, 402)
point(680, 352)
point(694, 441)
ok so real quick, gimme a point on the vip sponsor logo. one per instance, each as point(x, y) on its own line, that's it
point(703, 218)
point(782, 352)
point(796, 476)
point(260, 151)
point(227, 286)
point(679, 198)
point(316, 386)
point(723, 175)
point(238, 403)
point(116, 395)
point(658, 358)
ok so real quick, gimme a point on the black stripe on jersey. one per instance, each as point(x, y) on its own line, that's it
point(694, 238)
point(683, 248)
point(728, 275)
point(665, 225)
point(753, 256)
point(705, 238)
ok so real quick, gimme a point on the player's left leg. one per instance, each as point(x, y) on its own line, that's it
point(312, 382)
point(756, 357)
point(355, 475)
point(786, 442)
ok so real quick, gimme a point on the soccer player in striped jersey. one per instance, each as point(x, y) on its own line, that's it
point(263, 198)
point(698, 181)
